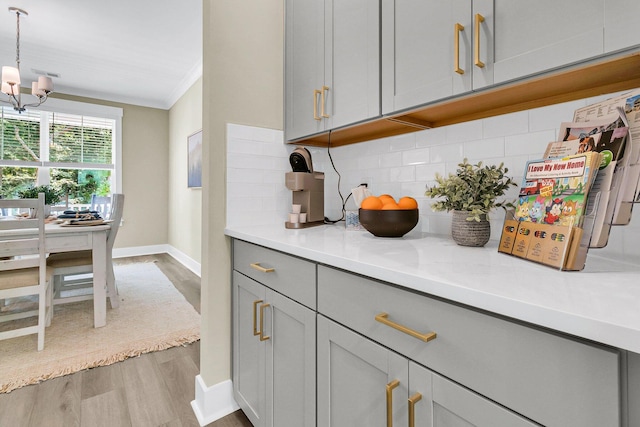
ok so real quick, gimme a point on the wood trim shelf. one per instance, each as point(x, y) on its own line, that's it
point(597, 77)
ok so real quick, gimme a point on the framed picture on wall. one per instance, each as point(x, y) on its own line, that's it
point(194, 160)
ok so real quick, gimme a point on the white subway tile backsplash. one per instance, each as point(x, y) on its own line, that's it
point(532, 144)
point(508, 124)
point(419, 156)
point(446, 153)
point(550, 117)
point(402, 174)
point(426, 173)
point(257, 160)
point(368, 162)
point(390, 160)
point(481, 149)
point(461, 132)
point(430, 137)
point(402, 142)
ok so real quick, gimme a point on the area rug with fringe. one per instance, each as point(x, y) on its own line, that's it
point(153, 315)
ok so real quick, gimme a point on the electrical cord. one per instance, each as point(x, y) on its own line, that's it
point(344, 201)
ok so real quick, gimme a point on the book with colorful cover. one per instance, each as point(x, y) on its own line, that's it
point(554, 191)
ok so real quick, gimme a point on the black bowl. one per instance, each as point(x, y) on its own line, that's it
point(391, 223)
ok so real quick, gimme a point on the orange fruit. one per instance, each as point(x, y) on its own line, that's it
point(407, 203)
point(390, 206)
point(385, 198)
point(372, 203)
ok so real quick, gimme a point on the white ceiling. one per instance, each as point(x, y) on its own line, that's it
point(142, 52)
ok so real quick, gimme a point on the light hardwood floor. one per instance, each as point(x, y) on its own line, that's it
point(155, 389)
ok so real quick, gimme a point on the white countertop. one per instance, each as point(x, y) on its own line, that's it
point(600, 303)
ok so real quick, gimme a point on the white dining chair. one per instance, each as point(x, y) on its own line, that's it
point(72, 271)
point(101, 204)
point(23, 269)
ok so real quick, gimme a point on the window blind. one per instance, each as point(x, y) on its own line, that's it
point(80, 139)
point(19, 135)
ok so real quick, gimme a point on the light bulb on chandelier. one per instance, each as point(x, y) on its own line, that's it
point(11, 77)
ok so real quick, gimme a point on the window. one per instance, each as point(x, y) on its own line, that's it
point(74, 147)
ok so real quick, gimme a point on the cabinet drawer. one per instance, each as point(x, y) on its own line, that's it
point(544, 376)
point(291, 276)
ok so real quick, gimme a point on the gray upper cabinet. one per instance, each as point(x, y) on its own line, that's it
point(429, 51)
point(531, 37)
point(332, 64)
point(621, 25)
point(432, 50)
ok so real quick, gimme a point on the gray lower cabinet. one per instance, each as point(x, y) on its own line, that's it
point(318, 346)
point(549, 378)
point(274, 356)
point(361, 383)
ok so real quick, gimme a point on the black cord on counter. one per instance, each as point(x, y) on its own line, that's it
point(344, 201)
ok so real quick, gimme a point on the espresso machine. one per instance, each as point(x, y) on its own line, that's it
point(307, 189)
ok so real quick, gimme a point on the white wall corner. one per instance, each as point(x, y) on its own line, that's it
point(140, 250)
point(213, 403)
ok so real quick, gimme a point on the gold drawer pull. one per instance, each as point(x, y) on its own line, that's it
point(393, 384)
point(477, 62)
point(263, 337)
point(456, 46)
point(258, 267)
point(384, 319)
point(316, 92)
point(412, 408)
point(255, 326)
point(323, 98)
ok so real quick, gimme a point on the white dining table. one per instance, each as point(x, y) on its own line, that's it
point(61, 238)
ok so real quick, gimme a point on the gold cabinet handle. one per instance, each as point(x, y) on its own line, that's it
point(255, 326)
point(476, 50)
point(258, 267)
point(263, 337)
point(322, 112)
point(316, 92)
point(384, 319)
point(393, 384)
point(456, 45)
point(412, 408)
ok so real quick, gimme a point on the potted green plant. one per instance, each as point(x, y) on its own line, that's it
point(51, 195)
point(471, 194)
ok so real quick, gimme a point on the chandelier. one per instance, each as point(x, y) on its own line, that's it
point(11, 77)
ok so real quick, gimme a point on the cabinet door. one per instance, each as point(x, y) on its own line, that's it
point(352, 61)
point(248, 350)
point(621, 29)
point(531, 37)
point(304, 66)
point(290, 363)
point(442, 403)
point(419, 51)
point(353, 376)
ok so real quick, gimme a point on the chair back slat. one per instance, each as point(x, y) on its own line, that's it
point(18, 223)
point(101, 204)
point(19, 263)
point(23, 242)
point(117, 209)
point(18, 247)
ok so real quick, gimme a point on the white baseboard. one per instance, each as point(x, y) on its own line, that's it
point(180, 256)
point(186, 260)
point(140, 250)
point(213, 403)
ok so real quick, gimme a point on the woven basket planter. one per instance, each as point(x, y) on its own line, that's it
point(469, 233)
